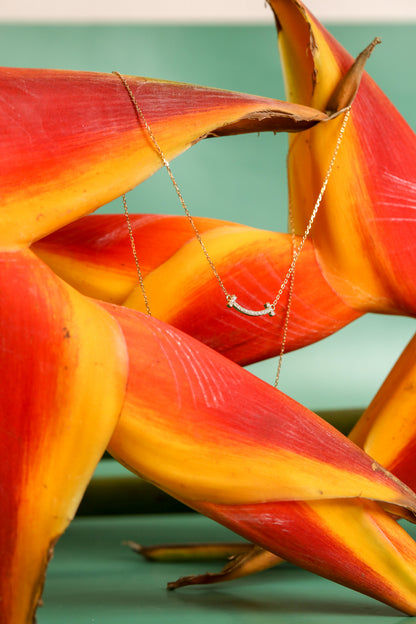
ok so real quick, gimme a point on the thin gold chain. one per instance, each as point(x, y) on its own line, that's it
point(296, 249)
point(165, 162)
point(290, 275)
point(289, 302)
point(136, 259)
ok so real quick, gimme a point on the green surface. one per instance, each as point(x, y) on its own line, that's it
point(114, 490)
point(93, 578)
point(241, 178)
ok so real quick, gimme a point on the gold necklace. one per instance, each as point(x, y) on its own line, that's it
point(231, 299)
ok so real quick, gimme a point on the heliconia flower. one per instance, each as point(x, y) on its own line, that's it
point(179, 414)
point(387, 429)
point(258, 462)
point(174, 395)
point(70, 141)
point(365, 209)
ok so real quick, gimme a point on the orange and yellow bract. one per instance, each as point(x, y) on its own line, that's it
point(82, 374)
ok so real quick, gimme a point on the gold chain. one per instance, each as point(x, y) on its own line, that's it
point(290, 275)
point(289, 301)
point(231, 300)
point(175, 185)
point(136, 259)
point(315, 209)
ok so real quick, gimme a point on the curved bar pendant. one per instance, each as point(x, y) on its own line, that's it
point(232, 303)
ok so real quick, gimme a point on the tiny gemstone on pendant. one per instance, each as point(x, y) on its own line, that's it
point(231, 301)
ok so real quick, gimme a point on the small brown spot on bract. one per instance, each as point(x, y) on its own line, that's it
point(66, 332)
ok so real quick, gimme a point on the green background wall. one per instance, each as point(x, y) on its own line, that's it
point(241, 178)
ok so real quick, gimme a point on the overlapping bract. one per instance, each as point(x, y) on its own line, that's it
point(94, 255)
point(170, 408)
point(361, 255)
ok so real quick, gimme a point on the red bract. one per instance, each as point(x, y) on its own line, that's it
point(170, 408)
